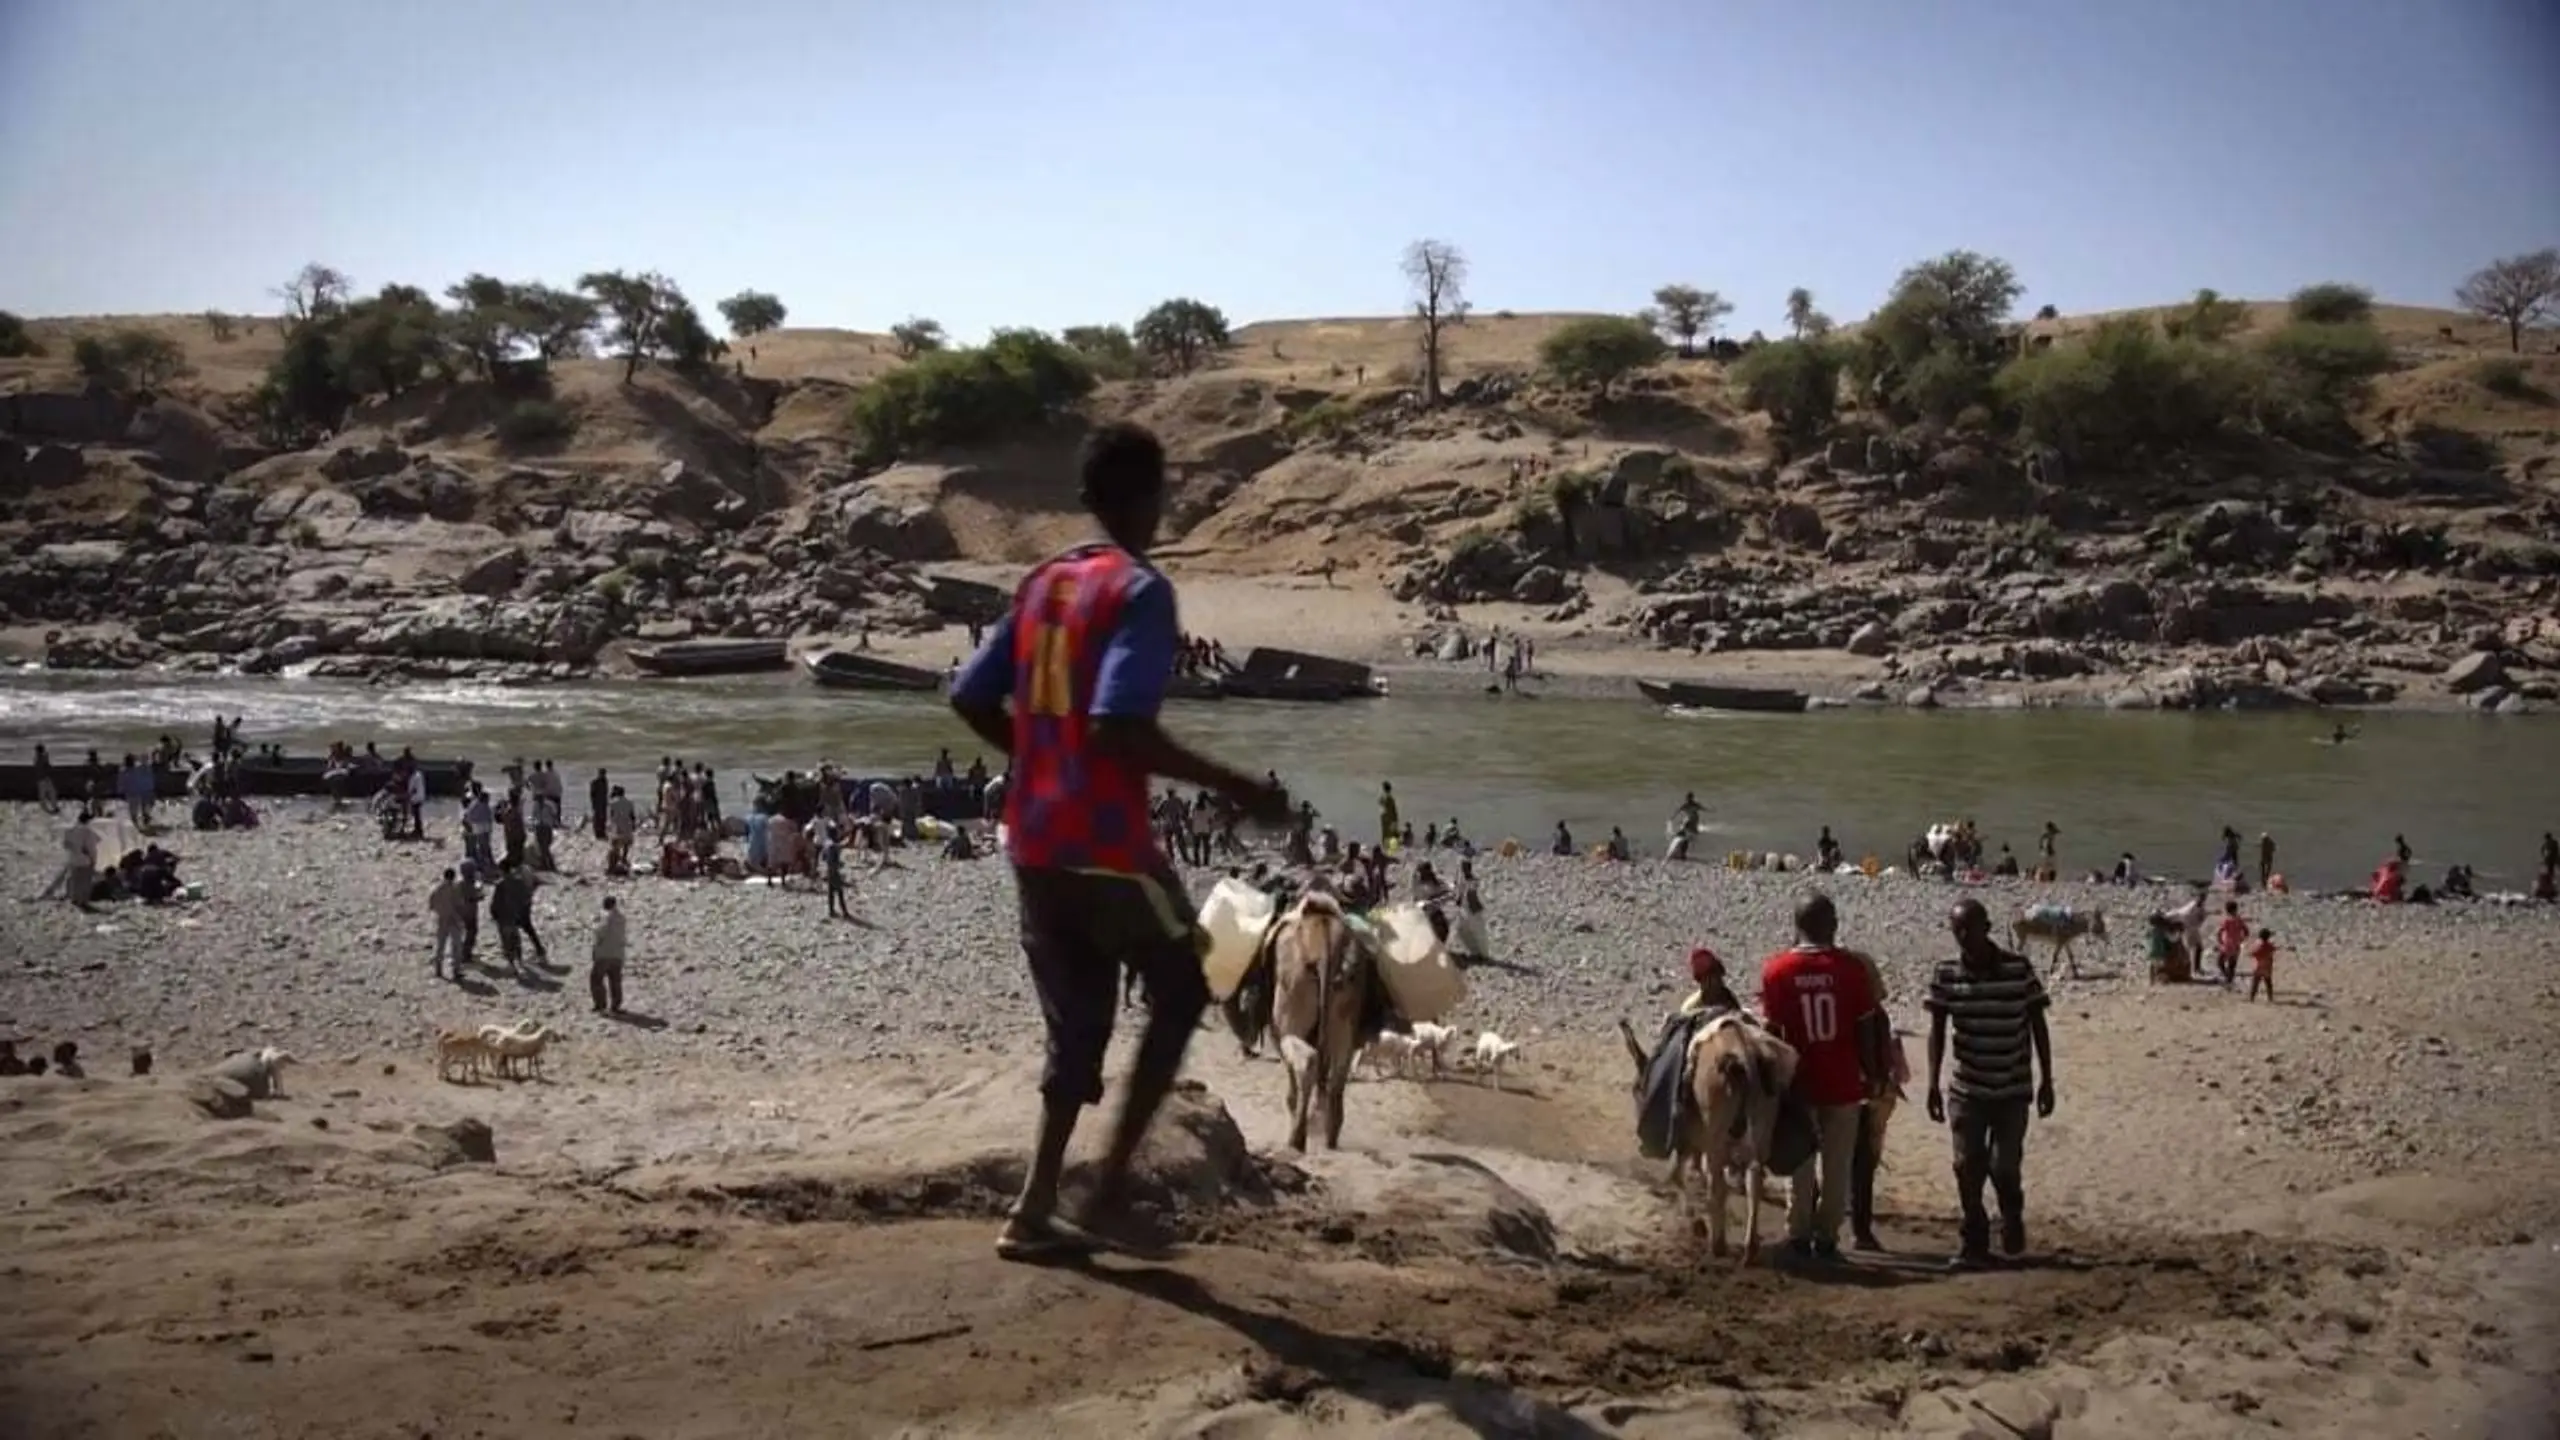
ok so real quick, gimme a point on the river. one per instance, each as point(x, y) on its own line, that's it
point(2480, 789)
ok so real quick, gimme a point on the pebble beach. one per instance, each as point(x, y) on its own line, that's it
point(2329, 1214)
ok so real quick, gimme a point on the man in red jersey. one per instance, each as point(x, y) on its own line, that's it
point(1081, 662)
point(1818, 998)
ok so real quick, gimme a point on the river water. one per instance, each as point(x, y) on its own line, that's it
point(2480, 789)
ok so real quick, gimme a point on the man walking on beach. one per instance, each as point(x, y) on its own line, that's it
point(1817, 997)
point(604, 962)
point(444, 903)
point(1081, 663)
point(1994, 1005)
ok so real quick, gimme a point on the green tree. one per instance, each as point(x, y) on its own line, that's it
point(485, 326)
point(1599, 350)
point(635, 306)
point(2330, 303)
point(387, 344)
point(1796, 383)
point(917, 336)
point(1437, 271)
point(1018, 380)
point(130, 359)
point(1803, 321)
point(1685, 311)
point(557, 323)
point(1107, 348)
point(2517, 291)
point(14, 339)
point(1933, 347)
point(2208, 319)
point(682, 340)
point(1180, 334)
point(751, 313)
point(304, 394)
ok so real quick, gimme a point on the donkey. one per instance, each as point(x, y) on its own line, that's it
point(1737, 1072)
point(1321, 982)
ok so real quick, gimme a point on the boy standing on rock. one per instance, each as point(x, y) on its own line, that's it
point(1069, 684)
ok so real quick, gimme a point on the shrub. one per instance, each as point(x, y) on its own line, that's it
point(2318, 371)
point(2504, 375)
point(305, 535)
point(1600, 350)
point(14, 339)
point(1325, 421)
point(2331, 304)
point(953, 397)
point(613, 585)
point(130, 359)
point(535, 422)
point(2126, 388)
point(1796, 383)
point(1475, 545)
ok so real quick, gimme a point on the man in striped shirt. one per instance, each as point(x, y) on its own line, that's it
point(1992, 1001)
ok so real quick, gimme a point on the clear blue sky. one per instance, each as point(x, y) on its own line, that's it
point(1051, 162)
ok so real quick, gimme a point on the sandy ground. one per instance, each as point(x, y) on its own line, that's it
point(2332, 1216)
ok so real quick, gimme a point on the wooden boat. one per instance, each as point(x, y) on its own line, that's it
point(1274, 674)
point(270, 776)
point(1196, 687)
point(712, 657)
point(846, 670)
point(1748, 698)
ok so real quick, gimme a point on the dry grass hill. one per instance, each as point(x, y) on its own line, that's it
point(1301, 443)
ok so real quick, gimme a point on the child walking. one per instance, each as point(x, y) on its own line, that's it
point(832, 853)
point(2228, 940)
point(2262, 960)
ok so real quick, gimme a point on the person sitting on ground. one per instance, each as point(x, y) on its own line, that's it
point(1713, 993)
point(1563, 844)
point(2390, 882)
point(2007, 868)
point(2458, 884)
point(2126, 872)
point(1618, 847)
point(1826, 851)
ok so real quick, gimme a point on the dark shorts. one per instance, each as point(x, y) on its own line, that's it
point(1081, 931)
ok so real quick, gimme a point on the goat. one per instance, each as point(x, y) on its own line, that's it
point(1737, 1072)
point(522, 1045)
point(1388, 1054)
point(1433, 1041)
point(2061, 927)
point(1490, 1053)
point(463, 1052)
point(272, 1061)
point(1320, 996)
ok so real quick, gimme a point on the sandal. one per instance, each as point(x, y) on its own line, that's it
point(1041, 1243)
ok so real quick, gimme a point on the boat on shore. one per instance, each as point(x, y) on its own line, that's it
point(1747, 699)
point(848, 670)
point(265, 777)
point(1196, 686)
point(1269, 673)
point(711, 657)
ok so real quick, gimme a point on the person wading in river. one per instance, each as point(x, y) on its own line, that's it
point(1082, 661)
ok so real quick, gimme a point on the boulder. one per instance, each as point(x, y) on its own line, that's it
point(2479, 670)
point(1539, 585)
point(220, 1099)
point(903, 527)
point(496, 573)
point(467, 1141)
point(1871, 639)
point(1797, 524)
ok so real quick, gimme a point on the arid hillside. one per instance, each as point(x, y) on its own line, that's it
point(1662, 506)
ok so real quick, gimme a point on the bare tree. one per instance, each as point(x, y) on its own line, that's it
point(2517, 291)
point(1438, 273)
point(315, 290)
